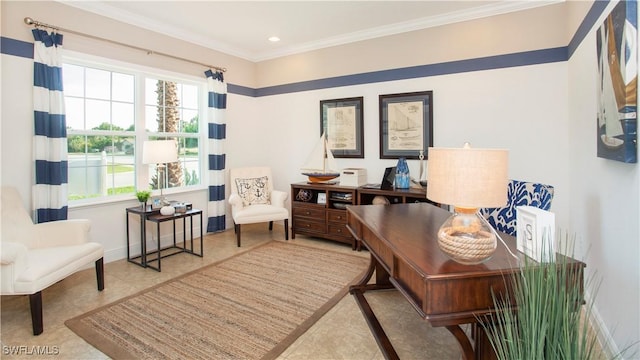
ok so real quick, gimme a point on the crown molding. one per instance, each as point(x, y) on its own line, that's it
point(112, 12)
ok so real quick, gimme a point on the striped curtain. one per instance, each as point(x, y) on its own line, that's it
point(50, 133)
point(217, 134)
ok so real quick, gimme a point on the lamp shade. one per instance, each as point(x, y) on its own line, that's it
point(159, 152)
point(467, 177)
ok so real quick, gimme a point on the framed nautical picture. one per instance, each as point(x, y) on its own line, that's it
point(406, 124)
point(342, 121)
point(617, 55)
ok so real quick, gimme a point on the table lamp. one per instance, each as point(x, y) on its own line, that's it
point(468, 179)
point(160, 152)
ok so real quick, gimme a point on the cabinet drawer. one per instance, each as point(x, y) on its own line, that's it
point(307, 225)
point(339, 230)
point(315, 213)
point(339, 216)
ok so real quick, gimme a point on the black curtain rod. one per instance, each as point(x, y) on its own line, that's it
point(30, 21)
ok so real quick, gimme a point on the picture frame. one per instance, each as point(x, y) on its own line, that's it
point(617, 109)
point(156, 202)
point(342, 120)
point(406, 124)
point(535, 236)
point(322, 198)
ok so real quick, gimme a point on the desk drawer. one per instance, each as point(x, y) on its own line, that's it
point(299, 211)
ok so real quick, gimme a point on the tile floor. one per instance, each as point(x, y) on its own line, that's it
point(341, 334)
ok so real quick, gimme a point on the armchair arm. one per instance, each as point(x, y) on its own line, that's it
point(278, 198)
point(13, 261)
point(11, 252)
point(62, 233)
point(236, 202)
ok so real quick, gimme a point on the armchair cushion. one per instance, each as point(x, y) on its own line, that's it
point(254, 190)
point(47, 266)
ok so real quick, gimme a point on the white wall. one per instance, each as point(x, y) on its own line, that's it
point(604, 209)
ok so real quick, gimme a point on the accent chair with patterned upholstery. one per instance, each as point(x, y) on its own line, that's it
point(519, 193)
point(253, 199)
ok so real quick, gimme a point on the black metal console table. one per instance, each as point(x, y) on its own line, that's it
point(147, 257)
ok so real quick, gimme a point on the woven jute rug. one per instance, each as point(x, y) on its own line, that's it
point(250, 306)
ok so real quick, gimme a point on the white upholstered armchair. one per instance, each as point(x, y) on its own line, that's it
point(253, 199)
point(36, 256)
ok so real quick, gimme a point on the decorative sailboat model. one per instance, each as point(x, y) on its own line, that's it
point(321, 165)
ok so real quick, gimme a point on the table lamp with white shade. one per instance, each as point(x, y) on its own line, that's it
point(468, 179)
point(160, 152)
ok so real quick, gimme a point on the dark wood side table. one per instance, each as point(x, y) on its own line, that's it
point(144, 259)
point(402, 240)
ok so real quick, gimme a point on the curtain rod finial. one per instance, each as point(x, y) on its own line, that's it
point(28, 21)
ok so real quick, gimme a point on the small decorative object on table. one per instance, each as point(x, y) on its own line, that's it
point(403, 180)
point(143, 196)
point(304, 195)
point(321, 166)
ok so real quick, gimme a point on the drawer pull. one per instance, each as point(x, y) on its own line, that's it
point(339, 230)
point(339, 217)
point(308, 213)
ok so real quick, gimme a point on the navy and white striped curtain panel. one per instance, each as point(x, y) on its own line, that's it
point(217, 134)
point(50, 136)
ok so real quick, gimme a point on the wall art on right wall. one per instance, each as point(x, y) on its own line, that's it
point(617, 51)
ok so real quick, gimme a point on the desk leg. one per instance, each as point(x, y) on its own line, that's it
point(128, 250)
point(184, 233)
point(143, 240)
point(463, 340)
point(201, 237)
point(358, 291)
point(159, 257)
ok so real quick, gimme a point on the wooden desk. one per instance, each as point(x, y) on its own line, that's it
point(402, 240)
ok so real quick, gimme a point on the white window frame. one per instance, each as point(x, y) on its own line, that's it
point(140, 134)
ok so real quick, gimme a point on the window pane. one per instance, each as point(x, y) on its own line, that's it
point(98, 84)
point(98, 115)
point(189, 98)
point(74, 113)
point(190, 159)
point(73, 80)
point(95, 173)
point(123, 116)
point(123, 87)
point(189, 121)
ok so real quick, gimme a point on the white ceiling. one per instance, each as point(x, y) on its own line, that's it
point(242, 28)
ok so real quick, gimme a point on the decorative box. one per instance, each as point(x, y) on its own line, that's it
point(535, 235)
point(353, 177)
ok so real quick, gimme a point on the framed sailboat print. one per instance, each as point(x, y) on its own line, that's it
point(617, 55)
point(406, 124)
point(342, 121)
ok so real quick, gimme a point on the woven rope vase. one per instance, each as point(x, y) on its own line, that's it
point(466, 249)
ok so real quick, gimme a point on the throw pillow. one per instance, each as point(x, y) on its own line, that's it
point(254, 190)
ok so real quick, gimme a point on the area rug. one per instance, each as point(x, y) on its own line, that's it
point(250, 306)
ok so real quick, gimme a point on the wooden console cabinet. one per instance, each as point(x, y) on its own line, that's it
point(320, 210)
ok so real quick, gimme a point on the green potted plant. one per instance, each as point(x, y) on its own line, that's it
point(143, 196)
point(550, 320)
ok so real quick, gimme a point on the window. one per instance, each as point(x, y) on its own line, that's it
point(110, 112)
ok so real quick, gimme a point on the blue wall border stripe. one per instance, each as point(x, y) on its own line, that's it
point(487, 63)
point(15, 47)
